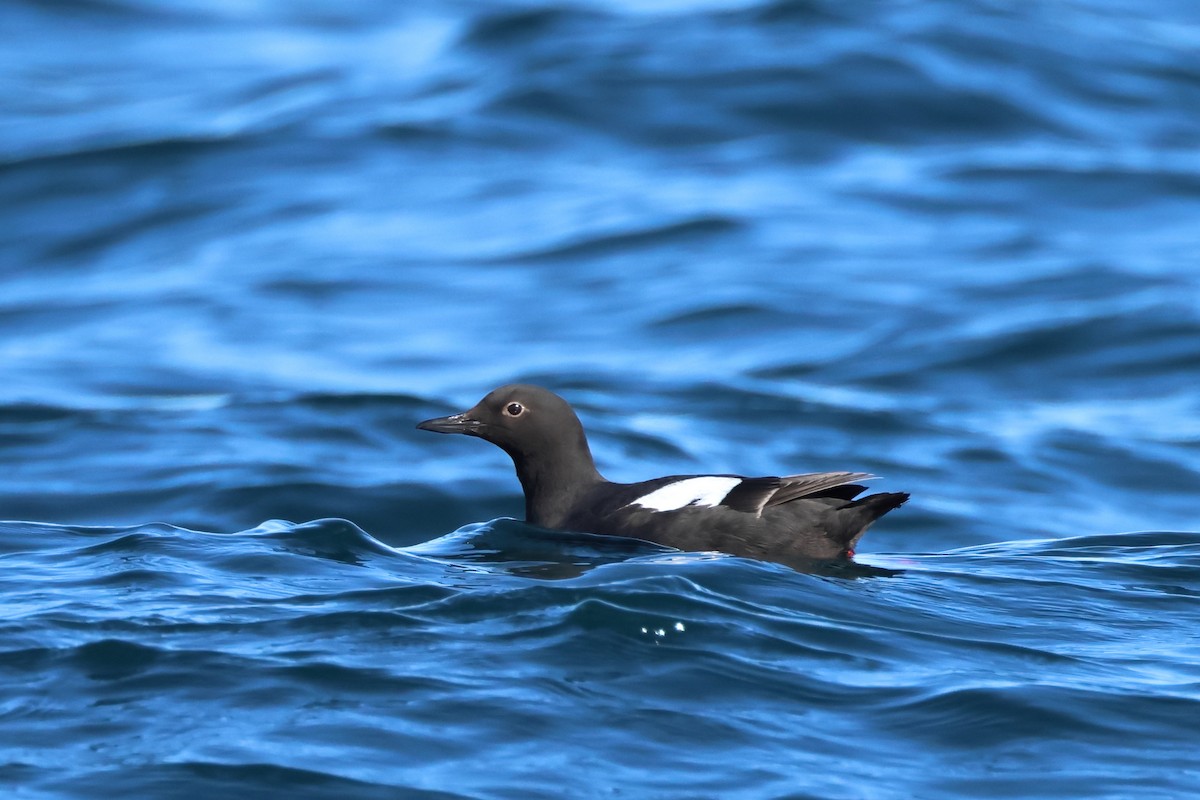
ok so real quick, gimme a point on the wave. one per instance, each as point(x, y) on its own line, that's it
point(135, 150)
point(510, 545)
point(185, 779)
point(288, 634)
point(629, 241)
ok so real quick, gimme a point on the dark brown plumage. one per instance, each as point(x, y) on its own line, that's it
point(796, 520)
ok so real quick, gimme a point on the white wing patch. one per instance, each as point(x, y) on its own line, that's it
point(709, 490)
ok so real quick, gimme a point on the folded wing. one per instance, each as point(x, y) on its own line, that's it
point(752, 495)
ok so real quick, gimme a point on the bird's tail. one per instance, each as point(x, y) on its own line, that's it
point(856, 516)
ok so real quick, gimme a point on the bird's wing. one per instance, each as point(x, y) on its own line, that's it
point(752, 495)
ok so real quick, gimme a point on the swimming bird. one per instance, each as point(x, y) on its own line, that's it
point(795, 519)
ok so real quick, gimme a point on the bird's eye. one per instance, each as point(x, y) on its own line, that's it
point(514, 409)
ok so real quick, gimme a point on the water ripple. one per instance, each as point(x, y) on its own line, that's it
point(248, 247)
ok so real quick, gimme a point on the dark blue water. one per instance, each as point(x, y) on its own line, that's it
point(245, 247)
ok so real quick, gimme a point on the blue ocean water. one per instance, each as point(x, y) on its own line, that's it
point(245, 247)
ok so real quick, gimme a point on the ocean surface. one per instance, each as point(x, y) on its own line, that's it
point(246, 246)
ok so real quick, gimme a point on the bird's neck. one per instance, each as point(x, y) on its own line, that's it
point(554, 483)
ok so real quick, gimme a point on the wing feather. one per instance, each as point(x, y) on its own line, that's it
point(752, 495)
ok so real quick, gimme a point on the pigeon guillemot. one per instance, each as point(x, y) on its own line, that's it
point(793, 520)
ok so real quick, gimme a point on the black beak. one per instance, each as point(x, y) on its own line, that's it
point(458, 423)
